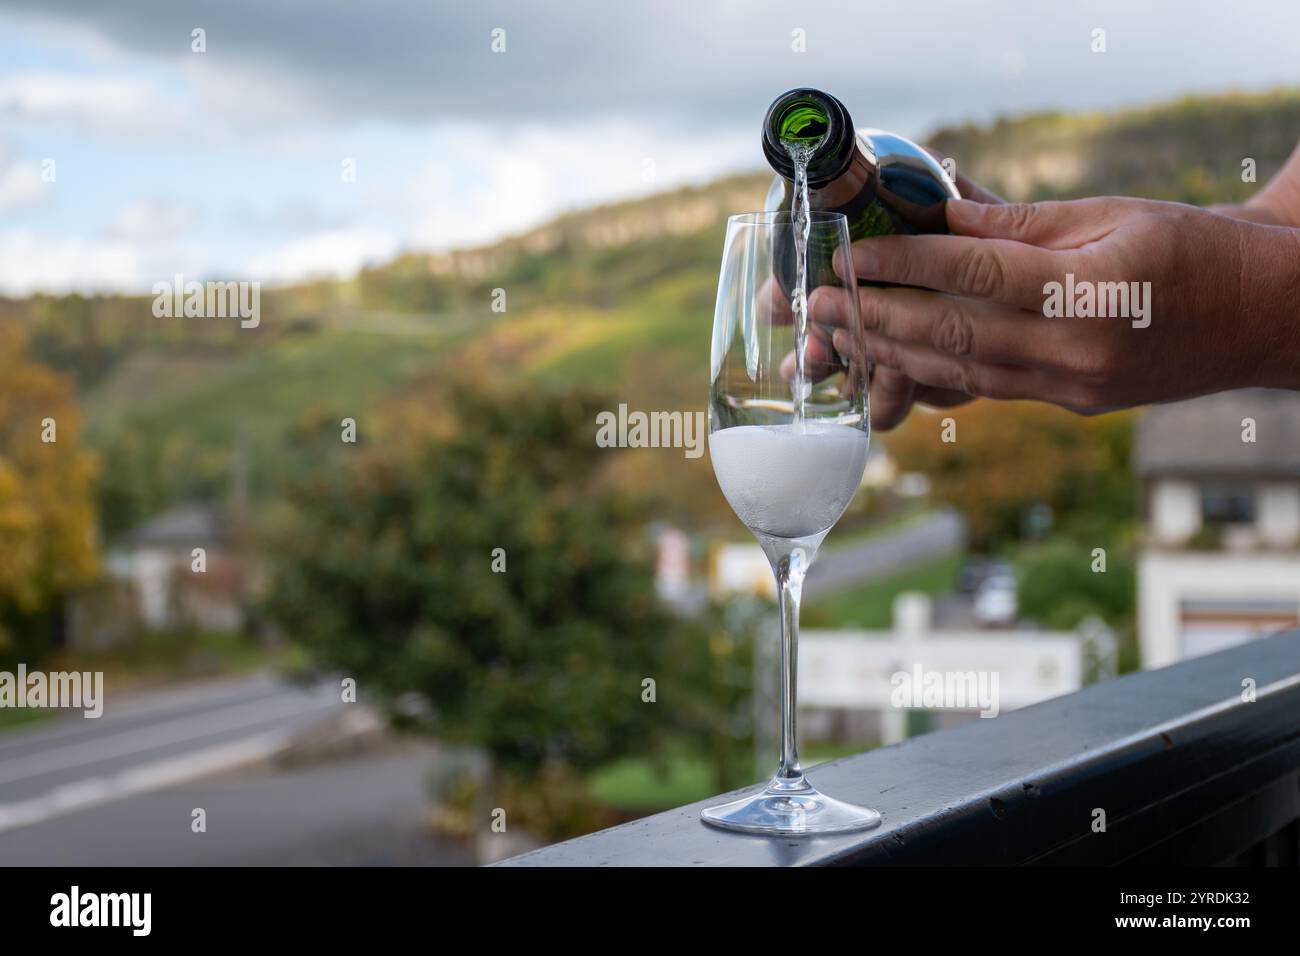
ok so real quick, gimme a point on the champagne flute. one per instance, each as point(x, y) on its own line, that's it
point(788, 440)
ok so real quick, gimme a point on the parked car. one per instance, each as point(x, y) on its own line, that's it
point(996, 600)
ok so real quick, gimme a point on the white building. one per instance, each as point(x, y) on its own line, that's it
point(869, 680)
point(1221, 559)
point(158, 559)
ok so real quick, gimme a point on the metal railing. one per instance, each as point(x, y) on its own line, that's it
point(1196, 763)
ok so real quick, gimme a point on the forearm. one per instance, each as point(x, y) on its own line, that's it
point(1276, 204)
point(1270, 281)
point(1262, 215)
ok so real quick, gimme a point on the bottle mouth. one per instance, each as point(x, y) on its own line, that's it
point(804, 123)
point(812, 120)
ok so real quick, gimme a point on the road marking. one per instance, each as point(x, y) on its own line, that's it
point(138, 740)
point(235, 691)
point(157, 775)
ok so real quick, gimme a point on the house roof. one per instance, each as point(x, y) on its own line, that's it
point(1203, 436)
point(188, 525)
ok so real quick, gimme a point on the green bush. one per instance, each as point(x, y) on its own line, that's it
point(1058, 587)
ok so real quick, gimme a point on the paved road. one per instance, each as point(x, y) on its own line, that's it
point(70, 760)
point(931, 537)
point(370, 811)
point(120, 789)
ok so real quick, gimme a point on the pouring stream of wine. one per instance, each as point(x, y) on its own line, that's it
point(800, 154)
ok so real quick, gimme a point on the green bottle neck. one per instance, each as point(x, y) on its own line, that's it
point(809, 119)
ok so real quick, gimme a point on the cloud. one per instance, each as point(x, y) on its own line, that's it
point(415, 60)
point(458, 145)
point(116, 105)
point(21, 183)
point(143, 242)
point(152, 220)
point(33, 262)
point(523, 176)
point(291, 214)
point(334, 253)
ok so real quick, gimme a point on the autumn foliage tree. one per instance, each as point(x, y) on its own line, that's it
point(1004, 457)
point(48, 543)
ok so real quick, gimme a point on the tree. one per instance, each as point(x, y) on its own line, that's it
point(48, 542)
point(1008, 456)
point(473, 554)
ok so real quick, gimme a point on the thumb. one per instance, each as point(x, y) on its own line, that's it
point(1034, 223)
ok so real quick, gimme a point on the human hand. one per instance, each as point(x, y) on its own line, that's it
point(1209, 303)
point(892, 393)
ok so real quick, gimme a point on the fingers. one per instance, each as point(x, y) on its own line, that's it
point(976, 193)
point(1009, 272)
point(968, 328)
point(940, 397)
point(820, 357)
point(1070, 224)
point(831, 305)
point(1034, 223)
point(936, 369)
point(893, 394)
point(891, 398)
point(772, 305)
point(930, 367)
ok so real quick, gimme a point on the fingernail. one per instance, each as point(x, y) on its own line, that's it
point(824, 308)
point(963, 208)
point(788, 367)
point(842, 261)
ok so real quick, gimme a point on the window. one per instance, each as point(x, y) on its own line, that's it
point(1210, 625)
point(1227, 505)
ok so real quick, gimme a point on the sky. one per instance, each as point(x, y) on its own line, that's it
point(127, 156)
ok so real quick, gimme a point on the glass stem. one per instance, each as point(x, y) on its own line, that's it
point(790, 571)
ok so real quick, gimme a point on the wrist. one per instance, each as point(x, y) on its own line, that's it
point(1275, 308)
point(1246, 213)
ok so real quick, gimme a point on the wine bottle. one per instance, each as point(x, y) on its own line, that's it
point(881, 182)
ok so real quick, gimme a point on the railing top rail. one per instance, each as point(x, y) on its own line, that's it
point(1177, 763)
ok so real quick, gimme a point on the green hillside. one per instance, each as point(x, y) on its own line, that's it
point(1190, 150)
point(618, 297)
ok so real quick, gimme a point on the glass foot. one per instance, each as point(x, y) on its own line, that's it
point(790, 811)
